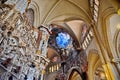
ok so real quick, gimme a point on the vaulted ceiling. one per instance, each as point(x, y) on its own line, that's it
point(62, 10)
point(71, 12)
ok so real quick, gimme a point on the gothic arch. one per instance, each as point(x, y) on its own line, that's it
point(33, 5)
point(93, 63)
point(74, 74)
point(113, 34)
point(116, 41)
point(105, 11)
point(30, 15)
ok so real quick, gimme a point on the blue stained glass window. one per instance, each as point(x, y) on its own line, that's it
point(63, 40)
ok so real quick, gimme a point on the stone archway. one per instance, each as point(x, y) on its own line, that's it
point(112, 33)
point(75, 75)
point(93, 63)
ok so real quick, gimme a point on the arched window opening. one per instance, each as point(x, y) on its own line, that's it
point(30, 16)
point(75, 75)
point(63, 40)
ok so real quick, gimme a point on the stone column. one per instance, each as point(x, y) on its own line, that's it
point(109, 68)
point(43, 48)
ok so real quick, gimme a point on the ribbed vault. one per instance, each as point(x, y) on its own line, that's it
point(62, 11)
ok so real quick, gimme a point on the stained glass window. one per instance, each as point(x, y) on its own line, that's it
point(63, 40)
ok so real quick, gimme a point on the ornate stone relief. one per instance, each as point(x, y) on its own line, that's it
point(17, 43)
